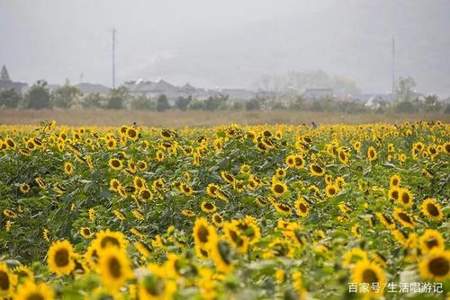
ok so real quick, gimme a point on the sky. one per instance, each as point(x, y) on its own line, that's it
point(212, 43)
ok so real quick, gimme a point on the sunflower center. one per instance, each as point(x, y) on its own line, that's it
point(278, 188)
point(405, 198)
point(405, 217)
point(203, 234)
point(432, 210)
point(303, 208)
point(62, 258)
point(439, 266)
point(114, 267)
point(35, 296)
point(369, 276)
point(109, 241)
point(4, 281)
point(431, 243)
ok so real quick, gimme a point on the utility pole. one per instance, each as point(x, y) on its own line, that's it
point(393, 67)
point(114, 58)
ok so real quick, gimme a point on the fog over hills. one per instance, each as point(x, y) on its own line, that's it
point(227, 44)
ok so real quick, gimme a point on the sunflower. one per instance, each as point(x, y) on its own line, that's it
point(115, 164)
point(435, 265)
point(145, 194)
point(343, 156)
point(301, 207)
point(142, 248)
point(9, 213)
point(353, 256)
point(280, 173)
point(406, 198)
point(331, 190)
point(24, 188)
point(290, 161)
point(227, 177)
point(60, 258)
point(114, 267)
point(394, 193)
point(316, 170)
point(232, 233)
point(155, 287)
point(282, 208)
point(111, 144)
point(403, 218)
point(86, 232)
point(186, 189)
point(68, 168)
point(208, 207)
point(114, 185)
point(385, 220)
point(217, 219)
point(32, 291)
point(220, 253)
point(8, 280)
point(132, 134)
point(371, 153)
point(432, 209)
point(279, 188)
point(188, 213)
point(367, 272)
point(203, 233)
point(394, 181)
point(107, 238)
point(431, 239)
point(24, 273)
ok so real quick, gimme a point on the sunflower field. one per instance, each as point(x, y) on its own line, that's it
point(230, 212)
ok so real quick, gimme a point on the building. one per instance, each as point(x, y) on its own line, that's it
point(7, 84)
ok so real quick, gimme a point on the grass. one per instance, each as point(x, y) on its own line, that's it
point(174, 118)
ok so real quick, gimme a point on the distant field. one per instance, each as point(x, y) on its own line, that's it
point(201, 118)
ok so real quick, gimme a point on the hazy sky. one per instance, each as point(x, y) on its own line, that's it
point(212, 43)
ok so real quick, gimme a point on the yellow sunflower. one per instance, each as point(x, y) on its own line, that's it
point(435, 265)
point(32, 291)
point(331, 190)
point(208, 207)
point(431, 239)
point(301, 207)
point(107, 238)
point(115, 164)
point(114, 267)
point(372, 153)
point(403, 218)
point(432, 209)
point(406, 198)
point(316, 170)
point(220, 253)
point(367, 272)
point(279, 188)
point(60, 258)
point(8, 281)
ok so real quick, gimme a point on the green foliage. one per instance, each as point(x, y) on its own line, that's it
point(162, 103)
point(117, 98)
point(65, 96)
point(9, 98)
point(38, 97)
point(182, 103)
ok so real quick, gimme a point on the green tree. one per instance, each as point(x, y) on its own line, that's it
point(432, 103)
point(65, 96)
point(38, 97)
point(117, 98)
point(9, 98)
point(405, 88)
point(93, 100)
point(162, 104)
point(182, 103)
point(142, 103)
point(216, 102)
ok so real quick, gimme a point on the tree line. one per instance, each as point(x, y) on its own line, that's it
point(68, 96)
